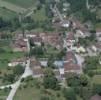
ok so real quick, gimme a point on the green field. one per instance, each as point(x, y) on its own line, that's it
point(39, 15)
point(7, 14)
point(96, 79)
point(4, 93)
point(12, 7)
point(22, 3)
point(7, 55)
point(30, 91)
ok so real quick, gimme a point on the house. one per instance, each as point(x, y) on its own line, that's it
point(19, 45)
point(57, 74)
point(70, 56)
point(18, 34)
point(70, 40)
point(65, 23)
point(70, 64)
point(81, 30)
point(79, 49)
point(36, 40)
point(30, 35)
point(82, 33)
point(36, 68)
point(98, 46)
point(53, 39)
point(57, 63)
point(96, 97)
point(98, 34)
point(15, 62)
point(71, 67)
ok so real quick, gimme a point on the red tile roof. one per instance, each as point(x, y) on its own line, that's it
point(70, 36)
point(96, 97)
point(71, 66)
point(69, 56)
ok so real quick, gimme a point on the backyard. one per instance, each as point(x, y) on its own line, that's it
point(4, 93)
point(6, 55)
point(33, 90)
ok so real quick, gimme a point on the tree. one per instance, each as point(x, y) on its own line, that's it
point(44, 98)
point(91, 63)
point(97, 89)
point(72, 80)
point(9, 78)
point(83, 80)
point(75, 80)
point(69, 94)
point(18, 70)
point(61, 54)
point(50, 81)
point(37, 51)
point(50, 62)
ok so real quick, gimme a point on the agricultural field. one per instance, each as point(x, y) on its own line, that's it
point(33, 90)
point(4, 93)
point(7, 14)
point(6, 55)
point(97, 79)
point(23, 3)
point(11, 6)
point(39, 15)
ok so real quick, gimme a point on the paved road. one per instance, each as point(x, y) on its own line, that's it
point(16, 85)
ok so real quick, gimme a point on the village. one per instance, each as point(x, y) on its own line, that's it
point(44, 45)
point(74, 49)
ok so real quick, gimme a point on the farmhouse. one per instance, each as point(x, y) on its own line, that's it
point(70, 64)
point(96, 97)
point(19, 45)
point(15, 62)
point(71, 67)
point(36, 68)
point(54, 39)
point(70, 40)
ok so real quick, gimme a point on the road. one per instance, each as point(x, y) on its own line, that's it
point(16, 85)
point(26, 73)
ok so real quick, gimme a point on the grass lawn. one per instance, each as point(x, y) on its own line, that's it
point(5, 57)
point(23, 3)
point(98, 25)
point(98, 13)
point(4, 93)
point(52, 50)
point(7, 14)
point(32, 92)
point(79, 98)
point(11, 6)
point(39, 15)
point(97, 79)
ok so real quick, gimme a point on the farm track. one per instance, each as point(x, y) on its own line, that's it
point(12, 7)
